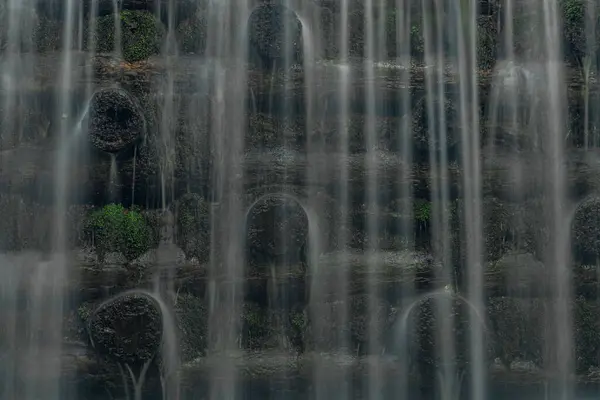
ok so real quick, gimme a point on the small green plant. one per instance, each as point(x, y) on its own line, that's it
point(422, 211)
point(117, 229)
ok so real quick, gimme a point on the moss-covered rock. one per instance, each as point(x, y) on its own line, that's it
point(191, 33)
point(421, 129)
point(127, 329)
point(114, 121)
point(577, 41)
point(487, 42)
point(417, 41)
point(117, 229)
point(586, 230)
point(327, 328)
point(193, 226)
point(277, 231)
point(192, 317)
point(26, 225)
point(422, 325)
point(517, 274)
point(517, 326)
point(586, 334)
point(268, 37)
point(258, 330)
point(141, 34)
point(498, 224)
point(269, 132)
point(18, 227)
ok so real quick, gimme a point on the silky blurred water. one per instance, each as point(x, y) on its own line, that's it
point(534, 82)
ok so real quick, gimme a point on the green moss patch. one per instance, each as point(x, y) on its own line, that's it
point(141, 35)
point(117, 229)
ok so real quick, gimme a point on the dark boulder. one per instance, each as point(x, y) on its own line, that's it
point(127, 329)
point(115, 122)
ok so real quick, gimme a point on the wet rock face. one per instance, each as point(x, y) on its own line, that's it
point(277, 231)
point(586, 231)
point(114, 121)
point(267, 31)
point(127, 329)
point(421, 129)
point(193, 227)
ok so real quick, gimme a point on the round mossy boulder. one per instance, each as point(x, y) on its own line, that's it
point(277, 231)
point(275, 34)
point(420, 324)
point(114, 122)
point(193, 226)
point(586, 231)
point(117, 229)
point(141, 34)
point(127, 329)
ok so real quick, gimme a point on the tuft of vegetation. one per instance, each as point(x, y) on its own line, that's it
point(141, 35)
point(422, 211)
point(117, 229)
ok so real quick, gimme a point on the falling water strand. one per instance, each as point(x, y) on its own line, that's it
point(468, 105)
point(51, 319)
point(117, 24)
point(279, 291)
point(342, 278)
point(436, 123)
point(214, 49)
point(113, 180)
point(314, 171)
point(406, 223)
point(91, 48)
point(18, 66)
point(168, 117)
point(589, 67)
point(9, 291)
point(134, 164)
point(446, 337)
point(80, 22)
point(557, 219)
point(374, 374)
point(227, 271)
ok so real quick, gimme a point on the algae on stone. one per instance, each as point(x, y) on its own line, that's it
point(141, 35)
point(116, 229)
